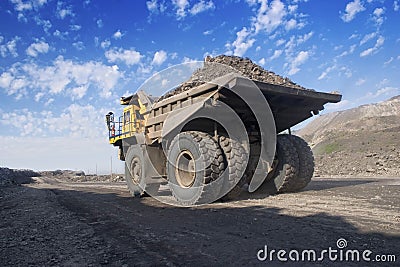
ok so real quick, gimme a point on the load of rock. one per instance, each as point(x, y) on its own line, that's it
point(221, 65)
point(16, 177)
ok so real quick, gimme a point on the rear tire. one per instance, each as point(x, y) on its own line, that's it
point(194, 164)
point(306, 161)
point(236, 162)
point(287, 167)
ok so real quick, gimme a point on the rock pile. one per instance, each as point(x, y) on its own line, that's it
point(80, 176)
point(218, 66)
point(12, 177)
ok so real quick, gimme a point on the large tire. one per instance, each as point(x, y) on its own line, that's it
point(306, 161)
point(236, 162)
point(194, 164)
point(134, 173)
point(286, 169)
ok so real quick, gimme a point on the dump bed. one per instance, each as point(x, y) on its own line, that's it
point(289, 106)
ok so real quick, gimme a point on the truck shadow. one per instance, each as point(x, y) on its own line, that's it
point(315, 185)
point(143, 231)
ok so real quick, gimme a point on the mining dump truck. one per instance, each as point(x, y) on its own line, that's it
point(216, 140)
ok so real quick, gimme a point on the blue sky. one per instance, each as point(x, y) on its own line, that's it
point(64, 64)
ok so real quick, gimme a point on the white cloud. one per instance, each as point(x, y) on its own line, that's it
point(46, 24)
point(295, 41)
point(280, 42)
point(276, 54)
point(352, 8)
point(353, 36)
point(383, 83)
point(242, 43)
point(385, 91)
point(159, 57)
point(9, 48)
point(325, 73)
point(180, 6)
point(269, 17)
point(63, 75)
point(21, 6)
point(189, 60)
point(350, 51)
point(118, 35)
point(154, 7)
point(292, 8)
point(64, 11)
point(360, 82)
point(75, 27)
point(5, 79)
point(291, 24)
point(373, 50)
point(105, 44)
point(344, 104)
point(300, 59)
point(262, 62)
point(37, 155)
point(368, 37)
point(79, 91)
point(75, 121)
point(40, 47)
point(13, 85)
point(100, 23)
point(305, 37)
point(380, 41)
point(128, 56)
point(61, 35)
point(367, 52)
point(201, 7)
point(379, 12)
point(347, 72)
point(390, 60)
point(396, 6)
point(208, 32)
point(251, 2)
point(78, 45)
point(378, 16)
point(164, 82)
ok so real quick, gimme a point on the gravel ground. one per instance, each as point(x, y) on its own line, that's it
point(53, 223)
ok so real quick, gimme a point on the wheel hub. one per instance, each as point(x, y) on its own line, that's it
point(136, 170)
point(185, 169)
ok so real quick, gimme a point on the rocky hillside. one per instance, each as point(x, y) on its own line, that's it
point(359, 141)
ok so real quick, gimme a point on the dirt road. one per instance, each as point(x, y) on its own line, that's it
point(88, 224)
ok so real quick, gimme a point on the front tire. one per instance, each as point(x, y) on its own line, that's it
point(134, 173)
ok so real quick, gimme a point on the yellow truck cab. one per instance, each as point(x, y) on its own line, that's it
point(131, 122)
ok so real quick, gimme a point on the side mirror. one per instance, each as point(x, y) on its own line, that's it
point(108, 120)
